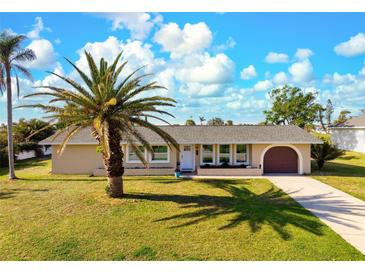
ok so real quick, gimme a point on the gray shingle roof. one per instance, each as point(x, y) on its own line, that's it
point(254, 134)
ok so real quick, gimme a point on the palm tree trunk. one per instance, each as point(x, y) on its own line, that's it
point(10, 124)
point(114, 163)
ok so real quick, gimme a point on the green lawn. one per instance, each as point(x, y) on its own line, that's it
point(49, 217)
point(346, 173)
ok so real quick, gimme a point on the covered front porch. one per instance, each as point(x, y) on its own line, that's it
point(218, 160)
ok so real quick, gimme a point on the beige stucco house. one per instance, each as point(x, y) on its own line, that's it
point(204, 150)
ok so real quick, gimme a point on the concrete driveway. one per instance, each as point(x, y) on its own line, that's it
point(342, 212)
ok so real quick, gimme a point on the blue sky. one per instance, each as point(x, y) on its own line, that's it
point(213, 64)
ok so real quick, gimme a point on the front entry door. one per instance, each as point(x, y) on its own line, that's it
point(187, 155)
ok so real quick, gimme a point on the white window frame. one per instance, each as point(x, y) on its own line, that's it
point(201, 154)
point(219, 153)
point(160, 161)
point(247, 155)
point(135, 161)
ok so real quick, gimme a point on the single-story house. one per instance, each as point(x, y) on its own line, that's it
point(204, 150)
point(350, 135)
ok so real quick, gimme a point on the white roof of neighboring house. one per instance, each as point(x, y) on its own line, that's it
point(245, 134)
point(358, 121)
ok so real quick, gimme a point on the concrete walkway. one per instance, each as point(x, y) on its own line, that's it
point(342, 212)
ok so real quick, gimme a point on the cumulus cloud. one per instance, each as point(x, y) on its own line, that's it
point(339, 79)
point(202, 90)
point(135, 52)
point(25, 87)
point(274, 57)
point(38, 27)
point(302, 54)
point(301, 71)
point(353, 47)
point(280, 78)
point(139, 24)
point(248, 73)
point(179, 42)
point(44, 52)
point(206, 69)
point(246, 103)
point(263, 85)
point(229, 44)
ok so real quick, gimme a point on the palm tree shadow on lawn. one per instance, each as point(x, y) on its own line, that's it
point(272, 207)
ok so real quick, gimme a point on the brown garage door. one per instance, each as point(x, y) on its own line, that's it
point(281, 160)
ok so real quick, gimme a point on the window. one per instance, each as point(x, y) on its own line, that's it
point(160, 154)
point(132, 155)
point(224, 154)
point(241, 154)
point(207, 154)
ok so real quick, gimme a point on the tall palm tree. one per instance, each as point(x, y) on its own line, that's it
point(202, 119)
point(112, 106)
point(11, 57)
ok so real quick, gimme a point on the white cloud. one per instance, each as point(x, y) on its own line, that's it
point(206, 69)
point(38, 27)
point(202, 90)
point(339, 79)
point(274, 57)
point(179, 42)
point(229, 44)
point(303, 54)
point(139, 24)
point(280, 78)
point(362, 71)
point(302, 71)
point(263, 85)
point(247, 104)
point(248, 73)
point(25, 87)
point(44, 52)
point(135, 52)
point(354, 46)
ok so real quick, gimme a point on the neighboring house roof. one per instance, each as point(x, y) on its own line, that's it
point(358, 121)
point(245, 134)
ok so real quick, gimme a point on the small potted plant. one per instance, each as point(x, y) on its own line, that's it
point(177, 170)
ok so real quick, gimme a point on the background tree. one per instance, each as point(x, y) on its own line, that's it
point(11, 57)
point(33, 130)
point(202, 119)
point(112, 107)
point(329, 112)
point(321, 117)
point(322, 153)
point(26, 135)
point(291, 106)
point(229, 123)
point(190, 122)
point(216, 121)
point(342, 117)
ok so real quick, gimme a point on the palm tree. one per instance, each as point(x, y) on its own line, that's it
point(327, 151)
point(112, 107)
point(11, 57)
point(202, 119)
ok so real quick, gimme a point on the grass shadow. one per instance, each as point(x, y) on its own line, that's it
point(34, 162)
point(338, 169)
point(7, 194)
point(272, 207)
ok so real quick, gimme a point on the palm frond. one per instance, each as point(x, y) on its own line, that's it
point(23, 71)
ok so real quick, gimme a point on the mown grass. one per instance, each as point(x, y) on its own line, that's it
point(346, 173)
point(56, 217)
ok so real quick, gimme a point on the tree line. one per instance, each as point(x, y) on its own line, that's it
point(26, 135)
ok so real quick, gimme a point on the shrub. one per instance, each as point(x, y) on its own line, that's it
point(324, 152)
